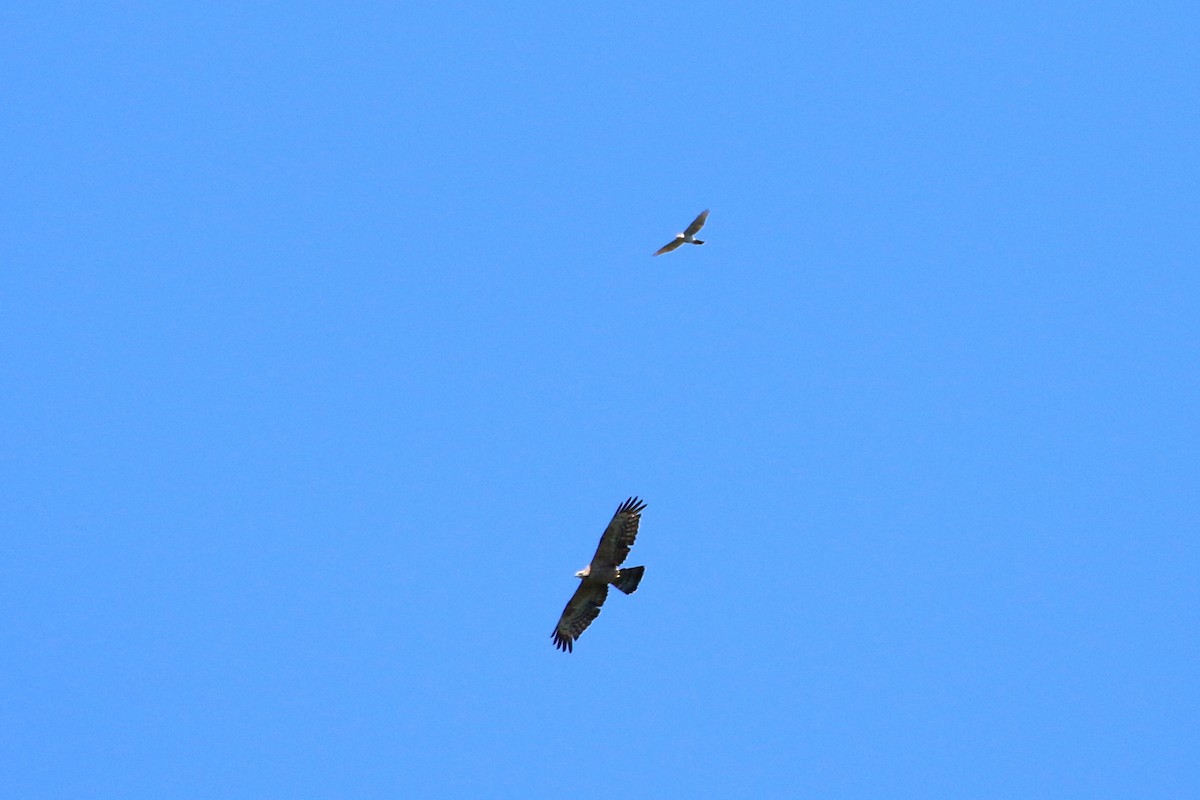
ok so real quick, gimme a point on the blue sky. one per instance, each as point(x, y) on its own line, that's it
point(331, 340)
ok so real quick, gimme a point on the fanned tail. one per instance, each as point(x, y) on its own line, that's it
point(628, 579)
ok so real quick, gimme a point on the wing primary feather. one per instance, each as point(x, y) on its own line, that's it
point(666, 248)
point(620, 534)
point(582, 608)
point(697, 223)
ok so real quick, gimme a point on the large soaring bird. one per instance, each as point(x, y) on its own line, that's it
point(688, 236)
point(584, 605)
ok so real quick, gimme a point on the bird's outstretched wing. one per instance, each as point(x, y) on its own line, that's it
point(697, 224)
point(666, 248)
point(582, 608)
point(620, 534)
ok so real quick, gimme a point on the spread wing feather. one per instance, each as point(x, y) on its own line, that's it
point(582, 608)
point(666, 248)
point(697, 224)
point(620, 534)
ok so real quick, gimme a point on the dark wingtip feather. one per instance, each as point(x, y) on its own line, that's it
point(563, 643)
point(633, 505)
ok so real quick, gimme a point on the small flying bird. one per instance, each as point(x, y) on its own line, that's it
point(688, 236)
point(584, 605)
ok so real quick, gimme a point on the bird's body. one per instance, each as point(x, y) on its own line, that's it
point(688, 236)
point(604, 574)
point(604, 571)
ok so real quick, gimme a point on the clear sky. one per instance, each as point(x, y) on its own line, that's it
point(330, 340)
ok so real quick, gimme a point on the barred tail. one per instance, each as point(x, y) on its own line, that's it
point(628, 579)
